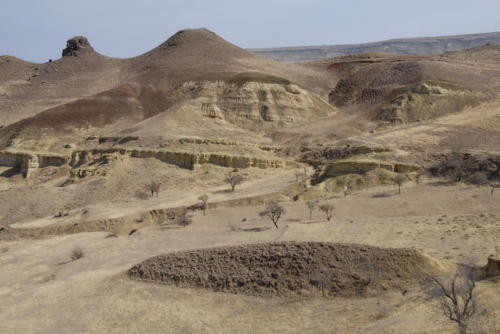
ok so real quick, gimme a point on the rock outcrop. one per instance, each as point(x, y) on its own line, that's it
point(342, 167)
point(427, 101)
point(182, 159)
point(256, 99)
point(77, 46)
point(318, 156)
point(28, 162)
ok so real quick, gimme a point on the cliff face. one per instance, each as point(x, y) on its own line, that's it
point(187, 160)
point(269, 102)
point(28, 162)
point(430, 45)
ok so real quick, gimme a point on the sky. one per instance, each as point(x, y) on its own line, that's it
point(37, 30)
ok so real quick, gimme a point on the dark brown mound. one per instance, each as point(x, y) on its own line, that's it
point(287, 269)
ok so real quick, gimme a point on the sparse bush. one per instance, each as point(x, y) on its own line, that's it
point(233, 180)
point(60, 214)
point(479, 178)
point(184, 220)
point(273, 211)
point(154, 188)
point(327, 209)
point(322, 279)
point(142, 195)
point(76, 254)
point(204, 202)
point(400, 179)
point(177, 217)
point(311, 205)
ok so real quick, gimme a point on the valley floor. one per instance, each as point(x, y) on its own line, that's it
point(43, 291)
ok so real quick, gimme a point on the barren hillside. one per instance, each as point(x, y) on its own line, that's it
point(202, 187)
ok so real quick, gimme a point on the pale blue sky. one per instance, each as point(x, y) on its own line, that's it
point(37, 30)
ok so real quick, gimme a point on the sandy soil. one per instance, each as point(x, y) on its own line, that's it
point(44, 292)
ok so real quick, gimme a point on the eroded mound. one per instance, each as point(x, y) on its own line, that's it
point(287, 269)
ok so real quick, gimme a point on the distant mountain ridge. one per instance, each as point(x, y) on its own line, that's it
point(424, 45)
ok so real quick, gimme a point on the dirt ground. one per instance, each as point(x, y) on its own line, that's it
point(44, 292)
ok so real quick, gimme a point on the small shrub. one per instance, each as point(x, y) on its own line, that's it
point(479, 178)
point(142, 195)
point(184, 220)
point(76, 254)
point(154, 188)
point(204, 204)
point(179, 217)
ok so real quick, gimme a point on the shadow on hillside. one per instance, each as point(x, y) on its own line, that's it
point(223, 191)
point(382, 195)
point(256, 229)
point(10, 172)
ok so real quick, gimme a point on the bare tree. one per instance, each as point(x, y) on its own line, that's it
point(204, 200)
point(273, 211)
point(347, 188)
point(154, 187)
point(418, 178)
point(400, 179)
point(311, 205)
point(347, 185)
point(458, 301)
point(327, 209)
point(233, 180)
